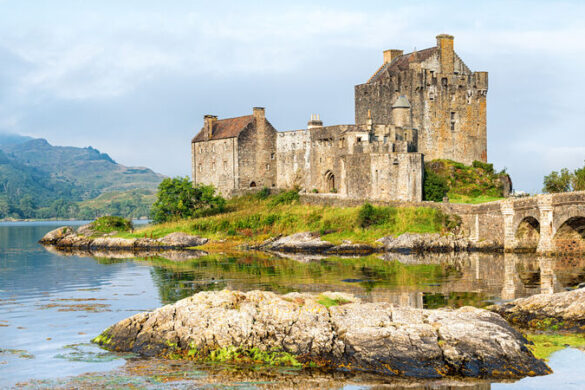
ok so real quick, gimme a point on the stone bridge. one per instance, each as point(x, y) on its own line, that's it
point(545, 223)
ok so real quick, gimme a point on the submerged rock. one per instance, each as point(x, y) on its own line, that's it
point(560, 311)
point(336, 331)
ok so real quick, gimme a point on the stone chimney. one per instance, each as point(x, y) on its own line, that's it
point(209, 121)
point(314, 122)
point(446, 52)
point(259, 113)
point(391, 54)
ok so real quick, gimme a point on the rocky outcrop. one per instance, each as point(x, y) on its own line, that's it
point(67, 238)
point(349, 336)
point(560, 311)
point(311, 243)
point(434, 242)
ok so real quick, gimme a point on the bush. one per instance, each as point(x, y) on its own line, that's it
point(263, 193)
point(435, 187)
point(285, 197)
point(489, 168)
point(369, 215)
point(177, 198)
point(110, 224)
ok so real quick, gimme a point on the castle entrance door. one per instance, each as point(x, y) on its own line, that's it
point(330, 180)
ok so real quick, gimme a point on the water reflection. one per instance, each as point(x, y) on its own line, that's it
point(429, 281)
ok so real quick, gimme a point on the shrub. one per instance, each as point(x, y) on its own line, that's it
point(369, 215)
point(110, 224)
point(435, 187)
point(285, 197)
point(489, 168)
point(263, 193)
point(177, 198)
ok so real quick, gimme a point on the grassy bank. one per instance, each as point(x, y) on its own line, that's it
point(254, 218)
point(476, 183)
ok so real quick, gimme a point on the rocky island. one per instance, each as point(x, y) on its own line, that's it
point(333, 331)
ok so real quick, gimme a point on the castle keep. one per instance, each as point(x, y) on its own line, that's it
point(422, 105)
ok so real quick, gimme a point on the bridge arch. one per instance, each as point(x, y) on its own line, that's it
point(570, 235)
point(528, 233)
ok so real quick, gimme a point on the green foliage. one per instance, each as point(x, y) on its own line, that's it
point(564, 181)
point(435, 187)
point(110, 224)
point(177, 198)
point(263, 193)
point(558, 181)
point(461, 183)
point(285, 197)
point(369, 215)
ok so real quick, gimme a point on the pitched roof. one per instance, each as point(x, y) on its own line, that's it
point(226, 128)
point(402, 62)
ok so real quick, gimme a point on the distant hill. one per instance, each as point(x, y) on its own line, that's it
point(39, 180)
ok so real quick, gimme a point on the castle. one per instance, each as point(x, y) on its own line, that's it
point(422, 105)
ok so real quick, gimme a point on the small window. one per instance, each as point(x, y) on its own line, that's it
point(200, 168)
point(225, 165)
point(272, 156)
point(213, 166)
point(359, 139)
point(453, 120)
point(444, 81)
point(267, 166)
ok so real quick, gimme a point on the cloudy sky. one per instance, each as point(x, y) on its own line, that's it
point(134, 78)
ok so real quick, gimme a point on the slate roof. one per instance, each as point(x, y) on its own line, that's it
point(226, 128)
point(402, 62)
point(401, 102)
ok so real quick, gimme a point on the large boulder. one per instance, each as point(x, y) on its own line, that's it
point(425, 242)
point(54, 236)
point(560, 311)
point(305, 242)
point(181, 240)
point(349, 335)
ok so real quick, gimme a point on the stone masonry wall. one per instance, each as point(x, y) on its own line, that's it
point(214, 162)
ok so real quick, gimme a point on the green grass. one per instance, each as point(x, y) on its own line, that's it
point(328, 301)
point(458, 198)
point(253, 219)
point(476, 183)
point(546, 344)
point(109, 224)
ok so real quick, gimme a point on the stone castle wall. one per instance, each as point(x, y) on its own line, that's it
point(215, 162)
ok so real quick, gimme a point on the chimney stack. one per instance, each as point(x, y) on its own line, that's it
point(315, 121)
point(259, 113)
point(209, 121)
point(391, 54)
point(446, 52)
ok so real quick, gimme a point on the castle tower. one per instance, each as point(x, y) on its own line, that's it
point(401, 112)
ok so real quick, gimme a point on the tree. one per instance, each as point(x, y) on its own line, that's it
point(434, 187)
point(177, 198)
point(579, 179)
point(558, 181)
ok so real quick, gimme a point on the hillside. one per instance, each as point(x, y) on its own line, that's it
point(39, 180)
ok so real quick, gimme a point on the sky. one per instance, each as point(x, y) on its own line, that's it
point(134, 78)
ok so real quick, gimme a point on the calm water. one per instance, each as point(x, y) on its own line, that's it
point(51, 305)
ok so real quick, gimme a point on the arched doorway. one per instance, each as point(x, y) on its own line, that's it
point(528, 234)
point(253, 184)
point(330, 181)
point(570, 236)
